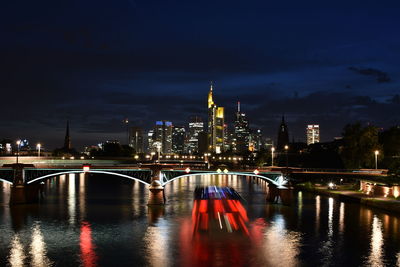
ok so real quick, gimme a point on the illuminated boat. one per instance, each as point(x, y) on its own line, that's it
point(218, 209)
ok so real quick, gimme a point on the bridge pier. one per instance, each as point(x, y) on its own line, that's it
point(22, 193)
point(285, 195)
point(156, 194)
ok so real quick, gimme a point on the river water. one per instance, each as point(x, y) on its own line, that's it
point(101, 220)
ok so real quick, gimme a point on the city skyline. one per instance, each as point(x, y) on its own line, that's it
point(126, 126)
point(145, 60)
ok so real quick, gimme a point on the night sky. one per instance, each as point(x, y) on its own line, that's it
point(98, 62)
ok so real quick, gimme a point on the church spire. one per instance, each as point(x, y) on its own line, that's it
point(67, 140)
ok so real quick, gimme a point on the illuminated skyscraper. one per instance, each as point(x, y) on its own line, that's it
point(312, 134)
point(256, 140)
point(178, 139)
point(196, 126)
point(283, 135)
point(163, 134)
point(215, 125)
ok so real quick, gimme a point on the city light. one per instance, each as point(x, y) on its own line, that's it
point(38, 146)
point(86, 168)
point(376, 158)
point(18, 144)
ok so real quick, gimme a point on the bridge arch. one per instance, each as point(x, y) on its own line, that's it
point(280, 182)
point(92, 171)
point(5, 181)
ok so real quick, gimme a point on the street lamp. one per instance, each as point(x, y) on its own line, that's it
point(286, 151)
point(126, 122)
point(272, 156)
point(376, 158)
point(38, 146)
point(18, 143)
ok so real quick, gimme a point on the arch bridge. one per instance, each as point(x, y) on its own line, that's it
point(26, 179)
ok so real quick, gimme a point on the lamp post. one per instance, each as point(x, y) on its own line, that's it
point(38, 146)
point(376, 158)
point(18, 143)
point(126, 122)
point(272, 156)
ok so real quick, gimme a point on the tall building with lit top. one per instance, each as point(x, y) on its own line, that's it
point(215, 125)
point(312, 132)
point(163, 134)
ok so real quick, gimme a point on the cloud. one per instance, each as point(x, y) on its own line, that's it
point(381, 77)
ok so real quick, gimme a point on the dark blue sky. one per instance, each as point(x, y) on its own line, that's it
point(97, 62)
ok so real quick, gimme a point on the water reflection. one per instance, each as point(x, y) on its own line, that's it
point(326, 248)
point(156, 241)
point(17, 256)
point(317, 212)
point(281, 246)
point(82, 196)
point(376, 250)
point(300, 205)
point(71, 198)
point(330, 217)
point(341, 218)
point(38, 251)
point(88, 254)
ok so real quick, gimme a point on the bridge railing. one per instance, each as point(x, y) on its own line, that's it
point(355, 171)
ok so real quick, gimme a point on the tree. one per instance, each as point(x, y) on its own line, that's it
point(359, 146)
point(390, 140)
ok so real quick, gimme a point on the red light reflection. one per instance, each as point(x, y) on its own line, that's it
point(88, 255)
point(219, 233)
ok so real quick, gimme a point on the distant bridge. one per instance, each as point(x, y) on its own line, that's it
point(26, 178)
point(144, 175)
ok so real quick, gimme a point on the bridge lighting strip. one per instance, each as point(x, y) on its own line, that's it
point(228, 173)
point(92, 171)
point(8, 182)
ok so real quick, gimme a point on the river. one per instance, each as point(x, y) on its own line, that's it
point(101, 220)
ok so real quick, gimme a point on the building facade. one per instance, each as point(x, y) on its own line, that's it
point(163, 134)
point(312, 133)
point(215, 125)
point(196, 126)
point(178, 139)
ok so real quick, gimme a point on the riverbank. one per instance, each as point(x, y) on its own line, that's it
point(346, 194)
